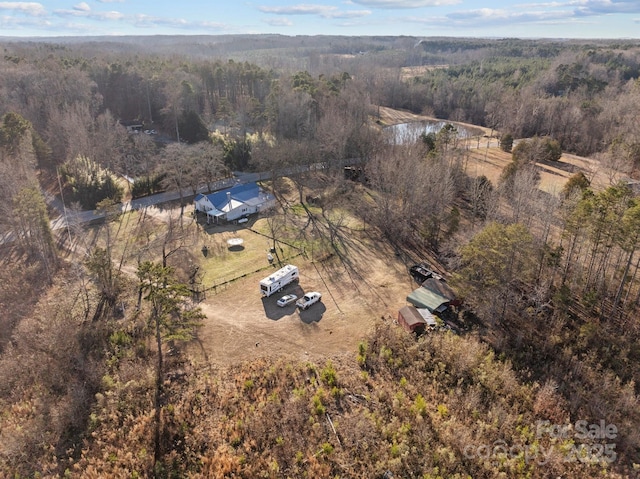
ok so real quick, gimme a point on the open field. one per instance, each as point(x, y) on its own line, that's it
point(486, 158)
point(416, 71)
point(361, 278)
point(491, 161)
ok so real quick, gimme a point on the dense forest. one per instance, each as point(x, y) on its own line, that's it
point(97, 382)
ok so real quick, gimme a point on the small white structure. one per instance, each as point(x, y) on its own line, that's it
point(236, 202)
point(278, 280)
point(428, 317)
point(235, 242)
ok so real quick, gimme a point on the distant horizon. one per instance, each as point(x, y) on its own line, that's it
point(318, 35)
point(561, 20)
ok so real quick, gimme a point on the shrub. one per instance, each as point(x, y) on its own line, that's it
point(506, 142)
point(89, 182)
point(362, 353)
point(577, 182)
point(327, 448)
point(420, 405)
point(328, 374)
point(537, 149)
point(318, 408)
point(148, 185)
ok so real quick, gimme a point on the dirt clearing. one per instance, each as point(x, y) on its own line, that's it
point(486, 158)
point(553, 176)
point(361, 280)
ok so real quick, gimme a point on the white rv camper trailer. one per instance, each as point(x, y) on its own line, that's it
point(278, 280)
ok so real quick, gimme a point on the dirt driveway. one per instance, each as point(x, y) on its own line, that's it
point(241, 325)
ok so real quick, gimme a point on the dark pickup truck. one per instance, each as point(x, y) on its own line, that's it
point(421, 272)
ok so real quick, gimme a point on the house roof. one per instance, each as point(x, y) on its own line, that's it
point(245, 192)
point(411, 316)
point(215, 212)
point(257, 201)
point(427, 316)
point(239, 194)
point(424, 298)
point(230, 204)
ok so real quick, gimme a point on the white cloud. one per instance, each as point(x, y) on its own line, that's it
point(540, 5)
point(82, 7)
point(144, 20)
point(523, 17)
point(30, 8)
point(16, 23)
point(148, 21)
point(302, 9)
point(402, 4)
point(501, 14)
point(77, 28)
point(93, 15)
point(604, 7)
point(324, 11)
point(350, 14)
point(540, 13)
point(279, 22)
point(574, 10)
point(112, 15)
point(213, 25)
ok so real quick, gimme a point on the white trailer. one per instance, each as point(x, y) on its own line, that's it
point(278, 280)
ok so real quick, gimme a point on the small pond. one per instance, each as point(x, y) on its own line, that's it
point(410, 132)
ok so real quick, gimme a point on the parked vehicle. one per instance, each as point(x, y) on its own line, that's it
point(278, 280)
point(422, 271)
point(308, 299)
point(286, 299)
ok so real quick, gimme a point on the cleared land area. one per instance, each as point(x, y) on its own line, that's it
point(361, 279)
point(484, 157)
point(491, 161)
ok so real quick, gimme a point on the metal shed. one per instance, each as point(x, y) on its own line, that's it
point(411, 320)
point(424, 298)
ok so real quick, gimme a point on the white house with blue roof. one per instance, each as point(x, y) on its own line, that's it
point(233, 203)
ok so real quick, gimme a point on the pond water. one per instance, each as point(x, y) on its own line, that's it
point(410, 132)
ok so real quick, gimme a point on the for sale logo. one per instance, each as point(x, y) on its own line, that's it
point(597, 445)
point(580, 442)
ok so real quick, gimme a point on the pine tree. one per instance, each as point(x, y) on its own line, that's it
point(171, 317)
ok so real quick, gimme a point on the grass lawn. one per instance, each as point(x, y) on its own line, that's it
point(223, 263)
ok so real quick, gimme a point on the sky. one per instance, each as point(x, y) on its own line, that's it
point(421, 18)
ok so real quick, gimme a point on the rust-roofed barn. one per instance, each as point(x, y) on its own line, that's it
point(411, 320)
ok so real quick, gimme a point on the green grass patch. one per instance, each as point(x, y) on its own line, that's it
point(224, 263)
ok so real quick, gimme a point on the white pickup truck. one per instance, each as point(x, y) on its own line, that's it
point(308, 299)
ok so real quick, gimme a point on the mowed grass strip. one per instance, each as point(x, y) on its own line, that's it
point(224, 263)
